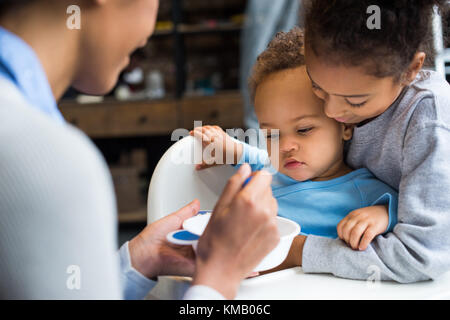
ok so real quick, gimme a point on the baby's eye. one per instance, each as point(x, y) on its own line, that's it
point(304, 131)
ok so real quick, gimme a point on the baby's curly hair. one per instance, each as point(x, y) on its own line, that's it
point(285, 51)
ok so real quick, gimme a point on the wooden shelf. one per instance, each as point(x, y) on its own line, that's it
point(138, 216)
point(224, 110)
point(163, 32)
point(111, 118)
point(201, 28)
point(121, 119)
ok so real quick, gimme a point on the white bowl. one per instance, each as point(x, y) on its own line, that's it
point(287, 229)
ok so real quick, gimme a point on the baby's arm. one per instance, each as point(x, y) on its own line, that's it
point(361, 226)
point(219, 140)
point(229, 150)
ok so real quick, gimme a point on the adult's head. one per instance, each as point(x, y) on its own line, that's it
point(92, 56)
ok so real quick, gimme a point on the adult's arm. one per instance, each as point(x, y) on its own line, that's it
point(227, 247)
point(230, 247)
point(137, 286)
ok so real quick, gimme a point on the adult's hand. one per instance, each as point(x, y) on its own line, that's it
point(241, 232)
point(152, 255)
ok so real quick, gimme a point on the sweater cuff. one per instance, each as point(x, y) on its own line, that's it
point(392, 203)
point(135, 285)
point(258, 159)
point(200, 292)
point(317, 263)
point(244, 156)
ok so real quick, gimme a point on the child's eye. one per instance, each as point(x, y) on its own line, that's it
point(304, 131)
point(356, 105)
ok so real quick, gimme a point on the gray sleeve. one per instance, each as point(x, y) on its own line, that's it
point(418, 248)
point(58, 232)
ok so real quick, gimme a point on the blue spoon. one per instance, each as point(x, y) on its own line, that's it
point(247, 181)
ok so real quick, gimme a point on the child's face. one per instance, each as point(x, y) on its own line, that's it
point(350, 95)
point(310, 143)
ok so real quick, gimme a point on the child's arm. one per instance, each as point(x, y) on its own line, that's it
point(232, 151)
point(361, 226)
point(215, 136)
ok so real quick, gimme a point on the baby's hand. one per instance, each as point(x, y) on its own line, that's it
point(361, 226)
point(231, 150)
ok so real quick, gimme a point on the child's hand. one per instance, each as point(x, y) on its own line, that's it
point(231, 150)
point(361, 226)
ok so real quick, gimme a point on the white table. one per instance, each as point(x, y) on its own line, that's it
point(293, 284)
point(166, 196)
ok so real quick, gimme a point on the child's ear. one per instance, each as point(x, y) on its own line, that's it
point(347, 131)
point(414, 67)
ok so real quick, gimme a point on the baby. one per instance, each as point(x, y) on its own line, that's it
point(313, 185)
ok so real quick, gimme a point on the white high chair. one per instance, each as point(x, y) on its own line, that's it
point(175, 182)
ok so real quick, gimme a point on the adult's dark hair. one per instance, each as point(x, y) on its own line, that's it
point(337, 30)
point(8, 4)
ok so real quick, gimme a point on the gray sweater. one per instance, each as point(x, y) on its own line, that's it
point(408, 147)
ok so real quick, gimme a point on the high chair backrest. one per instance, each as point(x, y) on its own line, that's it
point(176, 182)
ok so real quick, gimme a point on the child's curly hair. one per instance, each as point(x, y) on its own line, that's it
point(337, 31)
point(285, 51)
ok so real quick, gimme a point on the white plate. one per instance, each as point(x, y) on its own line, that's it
point(197, 224)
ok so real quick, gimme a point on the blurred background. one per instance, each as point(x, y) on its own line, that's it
point(194, 67)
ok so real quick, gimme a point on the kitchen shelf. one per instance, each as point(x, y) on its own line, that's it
point(199, 29)
point(122, 119)
point(138, 216)
point(113, 119)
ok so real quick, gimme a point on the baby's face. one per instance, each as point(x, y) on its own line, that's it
point(310, 143)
